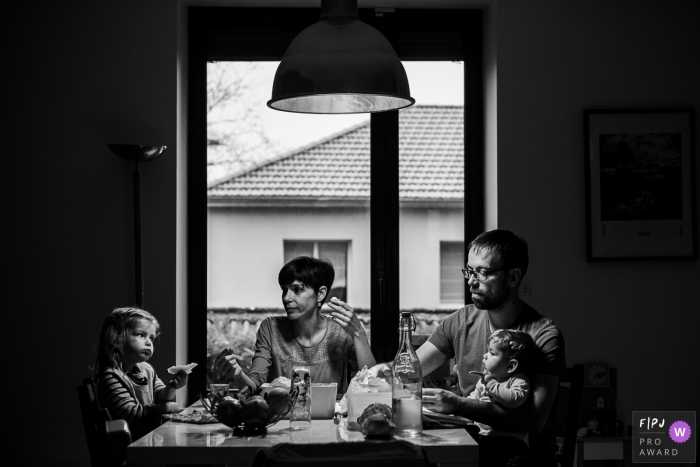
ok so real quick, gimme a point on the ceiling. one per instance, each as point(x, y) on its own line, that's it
point(437, 4)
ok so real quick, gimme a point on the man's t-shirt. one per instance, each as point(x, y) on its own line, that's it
point(464, 335)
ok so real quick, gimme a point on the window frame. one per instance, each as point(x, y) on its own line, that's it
point(263, 34)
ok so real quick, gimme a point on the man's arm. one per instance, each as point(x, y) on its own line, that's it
point(530, 417)
point(429, 356)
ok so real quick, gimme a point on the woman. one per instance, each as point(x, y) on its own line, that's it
point(331, 346)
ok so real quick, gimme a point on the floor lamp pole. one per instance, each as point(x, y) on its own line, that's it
point(137, 153)
point(138, 249)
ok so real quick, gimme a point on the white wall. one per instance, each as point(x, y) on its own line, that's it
point(246, 252)
point(556, 59)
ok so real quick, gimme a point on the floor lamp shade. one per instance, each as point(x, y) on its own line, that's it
point(340, 65)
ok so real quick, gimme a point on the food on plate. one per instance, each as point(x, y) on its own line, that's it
point(363, 381)
point(375, 420)
point(188, 368)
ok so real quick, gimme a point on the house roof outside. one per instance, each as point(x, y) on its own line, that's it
point(336, 171)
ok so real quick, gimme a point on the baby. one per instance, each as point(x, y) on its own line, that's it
point(503, 379)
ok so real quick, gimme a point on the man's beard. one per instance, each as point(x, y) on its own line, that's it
point(490, 301)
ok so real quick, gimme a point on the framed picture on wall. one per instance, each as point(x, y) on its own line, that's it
point(597, 375)
point(640, 184)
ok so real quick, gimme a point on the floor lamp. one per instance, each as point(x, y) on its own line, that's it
point(137, 153)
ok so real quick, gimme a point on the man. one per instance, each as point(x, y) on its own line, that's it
point(496, 264)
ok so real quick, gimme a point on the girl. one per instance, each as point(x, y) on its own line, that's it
point(126, 384)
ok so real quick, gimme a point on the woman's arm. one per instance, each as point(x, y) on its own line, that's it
point(226, 364)
point(345, 316)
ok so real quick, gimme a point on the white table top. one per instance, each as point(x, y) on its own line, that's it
point(186, 443)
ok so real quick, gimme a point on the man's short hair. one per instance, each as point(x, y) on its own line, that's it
point(509, 246)
point(312, 272)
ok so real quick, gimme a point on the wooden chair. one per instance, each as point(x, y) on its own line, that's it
point(107, 439)
point(570, 395)
point(394, 453)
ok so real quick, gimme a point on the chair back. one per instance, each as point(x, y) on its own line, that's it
point(394, 453)
point(106, 439)
point(571, 386)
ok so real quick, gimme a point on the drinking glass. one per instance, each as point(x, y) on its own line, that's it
point(300, 417)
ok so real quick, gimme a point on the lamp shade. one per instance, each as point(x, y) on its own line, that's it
point(340, 65)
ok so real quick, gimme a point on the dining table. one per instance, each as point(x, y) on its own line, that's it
point(178, 443)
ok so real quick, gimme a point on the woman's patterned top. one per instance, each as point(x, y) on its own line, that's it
point(277, 351)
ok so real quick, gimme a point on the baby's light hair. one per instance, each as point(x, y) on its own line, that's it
point(110, 347)
point(516, 345)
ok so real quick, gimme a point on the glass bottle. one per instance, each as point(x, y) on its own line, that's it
point(407, 383)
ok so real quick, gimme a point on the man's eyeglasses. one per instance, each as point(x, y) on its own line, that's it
point(481, 274)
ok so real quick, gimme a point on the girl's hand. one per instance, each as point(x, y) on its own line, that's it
point(168, 407)
point(179, 380)
point(344, 315)
point(226, 364)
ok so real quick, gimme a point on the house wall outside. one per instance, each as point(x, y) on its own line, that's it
point(246, 252)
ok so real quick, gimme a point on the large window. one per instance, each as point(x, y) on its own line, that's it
point(335, 252)
point(373, 268)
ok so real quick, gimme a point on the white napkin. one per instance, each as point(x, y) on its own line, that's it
point(187, 368)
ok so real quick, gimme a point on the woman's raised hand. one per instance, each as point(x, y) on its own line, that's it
point(226, 364)
point(345, 316)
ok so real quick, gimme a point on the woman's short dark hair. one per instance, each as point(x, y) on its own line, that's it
point(312, 272)
point(509, 246)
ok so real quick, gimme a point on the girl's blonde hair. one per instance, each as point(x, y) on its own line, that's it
point(110, 347)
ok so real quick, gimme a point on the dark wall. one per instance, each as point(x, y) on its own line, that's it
point(82, 74)
point(556, 59)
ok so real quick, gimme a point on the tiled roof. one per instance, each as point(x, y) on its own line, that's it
point(431, 164)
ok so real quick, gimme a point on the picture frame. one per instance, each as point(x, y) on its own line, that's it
point(640, 184)
point(596, 375)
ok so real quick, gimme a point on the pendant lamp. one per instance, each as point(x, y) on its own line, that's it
point(340, 65)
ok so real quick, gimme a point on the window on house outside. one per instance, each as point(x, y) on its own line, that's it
point(451, 278)
point(335, 252)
